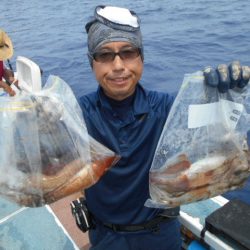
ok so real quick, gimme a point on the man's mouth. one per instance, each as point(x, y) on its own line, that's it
point(118, 80)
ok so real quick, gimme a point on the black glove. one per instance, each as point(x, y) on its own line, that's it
point(227, 77)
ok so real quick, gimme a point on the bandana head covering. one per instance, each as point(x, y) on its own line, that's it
point(113, 24)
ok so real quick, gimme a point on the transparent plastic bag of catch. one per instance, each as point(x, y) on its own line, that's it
point(45, 150)
point(202, 151)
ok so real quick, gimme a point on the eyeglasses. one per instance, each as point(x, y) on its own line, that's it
point(126, 54)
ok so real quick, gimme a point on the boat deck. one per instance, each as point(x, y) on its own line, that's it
point(62, 210)
point(53, 227)
point(44, 228)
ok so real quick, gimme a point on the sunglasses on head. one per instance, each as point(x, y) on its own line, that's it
point(115, 17)
point(126, 54)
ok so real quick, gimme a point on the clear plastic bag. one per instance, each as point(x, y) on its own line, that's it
point(202, 151)
point(45, 150)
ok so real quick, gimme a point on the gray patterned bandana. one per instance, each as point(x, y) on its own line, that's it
point(113, 24)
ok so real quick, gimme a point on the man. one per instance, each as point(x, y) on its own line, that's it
point(6, 52)
point(128, 119)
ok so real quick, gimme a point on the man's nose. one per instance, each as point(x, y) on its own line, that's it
point(118, 62)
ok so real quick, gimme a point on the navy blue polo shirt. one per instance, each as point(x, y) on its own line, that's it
point(130, 128)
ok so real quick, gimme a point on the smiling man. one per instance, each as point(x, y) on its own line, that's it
point(118, 75)
point(128, 119)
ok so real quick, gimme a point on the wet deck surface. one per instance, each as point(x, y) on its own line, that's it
point(62, 210)
point(45, 228)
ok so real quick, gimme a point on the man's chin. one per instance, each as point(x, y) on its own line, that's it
point(119, 95)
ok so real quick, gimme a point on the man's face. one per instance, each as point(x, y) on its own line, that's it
point(118, 78)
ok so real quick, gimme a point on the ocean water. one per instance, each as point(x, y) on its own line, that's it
point(180, 36)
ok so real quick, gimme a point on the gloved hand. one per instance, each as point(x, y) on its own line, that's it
point(49, 112)
point(227, 77)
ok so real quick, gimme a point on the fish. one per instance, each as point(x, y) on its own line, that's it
point(195, 195)
point(205, 178)
point(57, 158)
point(83, 179)
point(38, 189)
